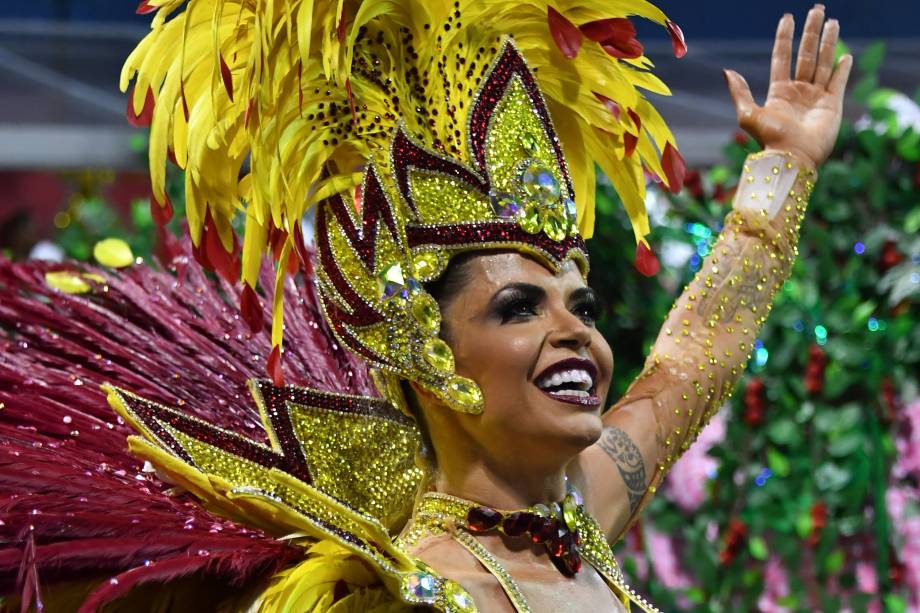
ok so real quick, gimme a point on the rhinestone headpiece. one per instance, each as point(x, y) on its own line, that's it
point(419, 207)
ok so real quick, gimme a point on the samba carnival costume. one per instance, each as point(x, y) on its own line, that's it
point(419, 131)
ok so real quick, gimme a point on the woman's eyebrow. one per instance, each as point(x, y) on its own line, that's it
point(583, 293)
point(526, 290)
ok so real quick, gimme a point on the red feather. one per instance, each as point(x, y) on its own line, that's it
point(174, 337)
point(611, 105)
point(646, 261)
point(251, 309)
point(675, 169)
point(677, 39)
point(617, 37)
point(161, 213)
point(145, 8)
point(567, 36)
point(142, 119)
point(227, 77)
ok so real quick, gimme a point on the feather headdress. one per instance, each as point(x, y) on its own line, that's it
point(272, 106)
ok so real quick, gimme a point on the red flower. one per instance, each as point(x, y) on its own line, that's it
point(694, 183)
point(754, 405)
point(818, 522)
point(742, 138)
point(891, 257)
point(567, 36)
point(814, 370)
point(734, 538)
point(616, 36)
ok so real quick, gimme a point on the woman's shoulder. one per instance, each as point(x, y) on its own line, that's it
point(451, 560)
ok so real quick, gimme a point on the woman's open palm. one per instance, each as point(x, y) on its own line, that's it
point(802, 113)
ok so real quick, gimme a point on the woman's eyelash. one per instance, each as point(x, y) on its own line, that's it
point(516, 306)
point(587, 309)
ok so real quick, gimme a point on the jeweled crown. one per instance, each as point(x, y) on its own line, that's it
point(418, 207)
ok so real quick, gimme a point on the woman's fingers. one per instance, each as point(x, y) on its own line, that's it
point(838, 82)
point(741, 96)
point(782, 50)
point(827, 53)
point(808, 48)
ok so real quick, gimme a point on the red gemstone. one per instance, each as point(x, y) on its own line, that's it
point(543, 529)
point(573, 561)
point(517, 523)
point(481, 519)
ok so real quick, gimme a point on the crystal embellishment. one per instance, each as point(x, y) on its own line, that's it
point(539, 184)
point(420, 587)
point(506, 205)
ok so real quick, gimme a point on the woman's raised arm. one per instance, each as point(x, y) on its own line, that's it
point(708, 336)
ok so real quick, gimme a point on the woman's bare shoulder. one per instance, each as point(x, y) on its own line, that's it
point(452, 561)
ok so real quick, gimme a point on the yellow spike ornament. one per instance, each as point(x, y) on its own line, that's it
point(273, 106)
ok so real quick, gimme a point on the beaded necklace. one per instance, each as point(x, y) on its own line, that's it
point(569, 533)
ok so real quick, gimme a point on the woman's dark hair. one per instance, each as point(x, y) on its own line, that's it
point(446, 287)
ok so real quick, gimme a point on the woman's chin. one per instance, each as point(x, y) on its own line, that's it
point(576, 430)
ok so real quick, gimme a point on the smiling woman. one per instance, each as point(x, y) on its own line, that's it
point(450, 258)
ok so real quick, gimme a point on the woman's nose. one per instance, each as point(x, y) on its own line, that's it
point(569, 331)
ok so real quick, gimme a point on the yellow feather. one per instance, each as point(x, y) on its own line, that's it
point(291, 118)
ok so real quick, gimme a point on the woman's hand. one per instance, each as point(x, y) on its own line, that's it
point(802, 114)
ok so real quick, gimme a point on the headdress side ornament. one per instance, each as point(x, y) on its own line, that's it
point(419, 128)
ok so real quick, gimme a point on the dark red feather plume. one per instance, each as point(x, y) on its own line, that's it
point(74, 503)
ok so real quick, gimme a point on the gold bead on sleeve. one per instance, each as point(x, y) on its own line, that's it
point(709, 334)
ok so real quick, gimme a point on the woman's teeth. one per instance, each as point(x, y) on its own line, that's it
point(576, 382)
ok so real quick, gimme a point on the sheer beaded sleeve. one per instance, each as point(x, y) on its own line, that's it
point(708, 335)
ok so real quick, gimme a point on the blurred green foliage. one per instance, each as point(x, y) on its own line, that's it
point(853, 294)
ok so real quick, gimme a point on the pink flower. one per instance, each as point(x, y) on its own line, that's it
point(686, 484)
point(665, 562)
point(776, 586)
point(866, 580)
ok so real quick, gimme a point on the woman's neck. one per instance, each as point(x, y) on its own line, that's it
point(501, 487)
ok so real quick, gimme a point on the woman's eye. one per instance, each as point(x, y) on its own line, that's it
point(517, 309)
point(587, 311)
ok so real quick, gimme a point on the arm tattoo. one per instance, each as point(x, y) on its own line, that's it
point(623, 451)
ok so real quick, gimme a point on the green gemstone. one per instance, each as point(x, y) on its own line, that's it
point(427, 266)
point(532, 219)
point(426, 313)
point(570, 512)
point(439, 355)
point(465, 393)
point(555, 225)
point(529, 142)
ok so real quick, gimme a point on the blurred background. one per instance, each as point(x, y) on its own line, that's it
point(802, 495)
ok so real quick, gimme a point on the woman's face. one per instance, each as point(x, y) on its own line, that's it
point(526, 335)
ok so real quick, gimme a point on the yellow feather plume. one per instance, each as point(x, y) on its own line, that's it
point(272, 105)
